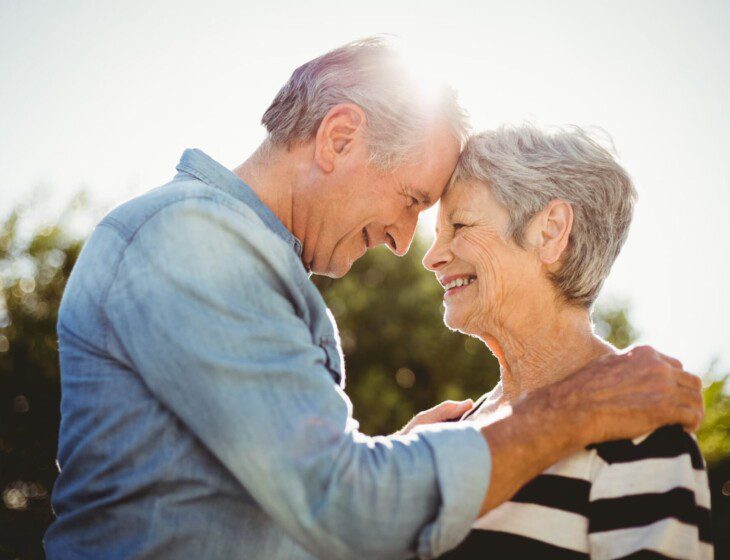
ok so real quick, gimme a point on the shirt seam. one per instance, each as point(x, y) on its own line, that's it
point(122, 229)
point(208, 180)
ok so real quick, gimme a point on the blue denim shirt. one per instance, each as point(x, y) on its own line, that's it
point(203, 411)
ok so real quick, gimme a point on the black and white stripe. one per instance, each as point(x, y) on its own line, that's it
point(646, 498)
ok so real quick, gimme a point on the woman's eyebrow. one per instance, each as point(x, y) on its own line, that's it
point(459, 214)
point(454, 212)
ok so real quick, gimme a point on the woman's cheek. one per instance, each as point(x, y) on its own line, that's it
point(480, 248)
point(474, 246)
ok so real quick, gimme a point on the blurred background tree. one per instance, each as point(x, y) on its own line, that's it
point(34, 266)
point(400, 359)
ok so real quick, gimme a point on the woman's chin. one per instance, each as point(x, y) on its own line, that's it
point(453, 321)
point(460, 320)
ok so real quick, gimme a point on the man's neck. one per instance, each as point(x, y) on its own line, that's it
point(270, 172)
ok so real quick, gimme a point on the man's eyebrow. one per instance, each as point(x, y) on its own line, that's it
point(423, 195)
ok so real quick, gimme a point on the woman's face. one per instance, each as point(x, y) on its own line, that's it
point(487, 277)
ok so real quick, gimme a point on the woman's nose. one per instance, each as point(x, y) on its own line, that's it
point(436, 257)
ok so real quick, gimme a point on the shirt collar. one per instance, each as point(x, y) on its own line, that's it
point(198, 164)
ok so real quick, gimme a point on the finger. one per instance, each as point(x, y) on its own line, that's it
point(690, 398)
point(674, 362)
point(455, 404)
point(454, 409)
point(438, 410)
point(687, 379)
point(689, 418)
point(689, 411)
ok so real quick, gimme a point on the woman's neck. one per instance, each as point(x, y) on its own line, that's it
point(533, 353)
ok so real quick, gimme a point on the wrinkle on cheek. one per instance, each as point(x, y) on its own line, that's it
point(482, 247)
point(476, 248)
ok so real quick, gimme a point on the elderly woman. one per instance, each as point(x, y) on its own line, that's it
point(526, 236)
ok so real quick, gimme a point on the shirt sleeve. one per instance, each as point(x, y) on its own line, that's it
point(204, 307)
point(650, 499)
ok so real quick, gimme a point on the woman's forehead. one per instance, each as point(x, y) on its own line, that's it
point(466, 195)
point(472, 202)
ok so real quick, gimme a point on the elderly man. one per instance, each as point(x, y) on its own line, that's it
point(203, 414)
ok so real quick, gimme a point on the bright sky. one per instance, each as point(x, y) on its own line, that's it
point(106, 95)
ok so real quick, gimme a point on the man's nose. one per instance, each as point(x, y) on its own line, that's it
point(400, 236)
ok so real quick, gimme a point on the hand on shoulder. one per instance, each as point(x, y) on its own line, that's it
point(627, 395)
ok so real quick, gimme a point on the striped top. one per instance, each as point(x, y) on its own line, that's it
point(647, 498)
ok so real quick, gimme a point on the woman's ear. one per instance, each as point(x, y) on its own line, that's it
point(556, 222)
point(340, 128)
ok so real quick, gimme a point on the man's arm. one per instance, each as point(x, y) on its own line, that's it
point(203, 309)
point(615, 397)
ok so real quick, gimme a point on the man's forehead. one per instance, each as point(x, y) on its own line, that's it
point(428, 177)
point(440, 158)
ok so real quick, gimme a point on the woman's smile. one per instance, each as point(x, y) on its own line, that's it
point(457, 283)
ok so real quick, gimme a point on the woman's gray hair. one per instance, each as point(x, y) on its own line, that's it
point(526, 167)
point(372, 75)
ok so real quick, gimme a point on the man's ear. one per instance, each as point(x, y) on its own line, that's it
point(555, 223)
point(340, 127)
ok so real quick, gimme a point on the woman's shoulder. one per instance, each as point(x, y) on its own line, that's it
point(666, 462)
point(666, 442)
point(652, 489)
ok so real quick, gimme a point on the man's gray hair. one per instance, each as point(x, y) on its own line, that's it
point(372, 75)
point(526, 167)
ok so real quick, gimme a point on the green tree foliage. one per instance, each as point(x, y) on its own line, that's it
point(34, 266)
point(612, 323)
point(400, 359)
point(714, 436)
point(714, 439)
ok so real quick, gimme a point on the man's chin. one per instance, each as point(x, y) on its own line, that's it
point(339, 272)
point(333, 269)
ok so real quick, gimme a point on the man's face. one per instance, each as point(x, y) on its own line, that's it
point(365, 206)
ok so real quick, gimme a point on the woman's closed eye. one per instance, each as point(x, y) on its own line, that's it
point(458, 226)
